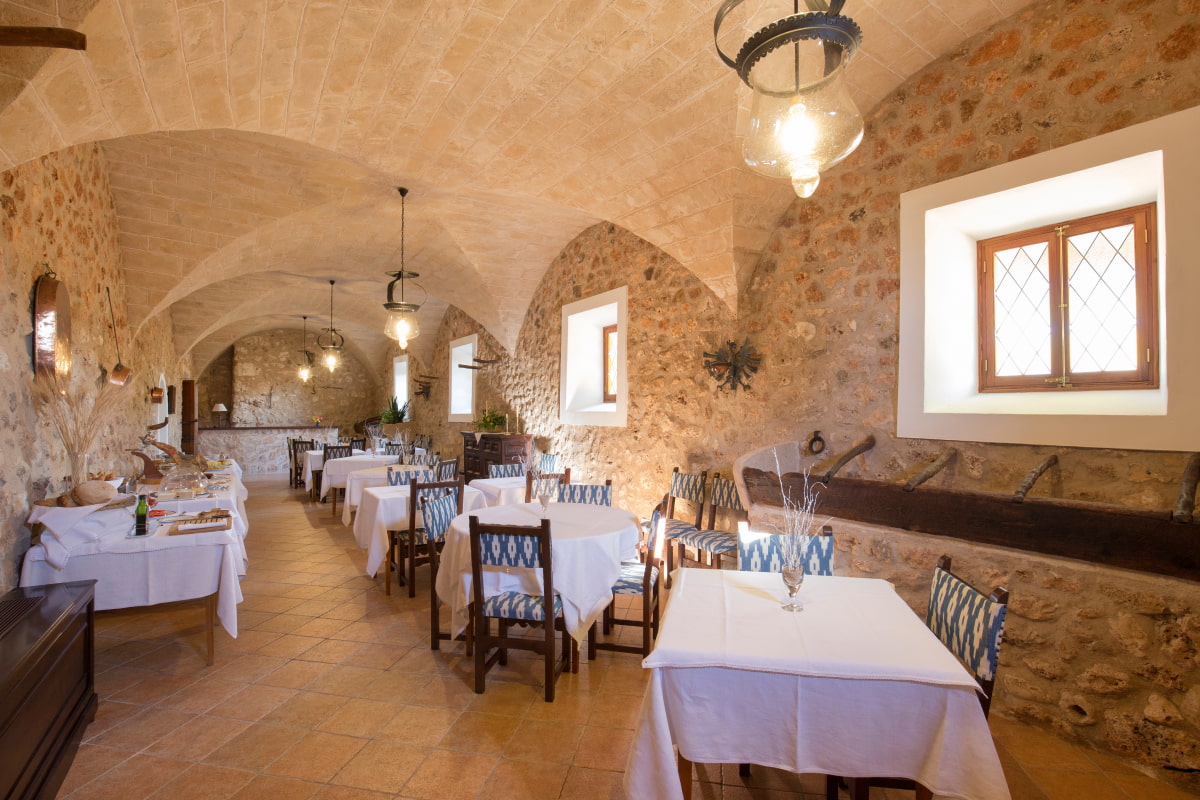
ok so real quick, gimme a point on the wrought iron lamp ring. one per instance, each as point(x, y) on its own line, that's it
point(834, 29)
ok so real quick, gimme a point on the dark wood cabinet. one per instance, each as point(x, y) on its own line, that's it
point(480, 450)
point(47, 685)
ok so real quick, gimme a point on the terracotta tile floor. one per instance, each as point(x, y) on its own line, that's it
point(331, 693)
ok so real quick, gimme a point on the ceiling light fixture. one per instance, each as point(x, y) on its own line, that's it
point(402, 324)
point(331, 341)
point(306, 354)
point(802, 119)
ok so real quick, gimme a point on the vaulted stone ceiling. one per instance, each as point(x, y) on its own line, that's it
point(255, 148)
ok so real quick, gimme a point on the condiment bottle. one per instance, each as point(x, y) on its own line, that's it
point(141, 514)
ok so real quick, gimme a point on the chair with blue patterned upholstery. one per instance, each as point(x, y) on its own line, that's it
point(436, 514)
point(395, 449)
point(689, 488)
point(426, 459)
point(722, 494)
point(640, 578)
point(332, 451)
point(548, 481)
point(403, 477)
point(588, 493)
point(513, 546)
point(417, 539)
point(550, 462)
point(763, 552)
point(971, 625)
point(516, 469)
point(446, 470)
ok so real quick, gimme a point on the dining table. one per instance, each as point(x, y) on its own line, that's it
point(588, 543)
point(386, 508)
point(314, 460)
point(335, 470)
point(97, 543)
point(853, 685)
point(501, 491)
point(361, 479)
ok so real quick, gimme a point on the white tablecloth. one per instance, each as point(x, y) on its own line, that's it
point(588, 544)
point(361, 479)
point(137, 571)
point(334, 472)
point(868, 691)
point(314, 459)
point(501, 491)
point(385, 508)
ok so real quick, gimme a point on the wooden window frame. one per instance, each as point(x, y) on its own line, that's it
point(1146, 376)
point(610, 391)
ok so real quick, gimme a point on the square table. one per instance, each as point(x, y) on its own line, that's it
point(361, 479)
point(313, 461)
point(334, 471)
point(501, 491)
point(854, 685)
point(588, 543)
point(385, 508)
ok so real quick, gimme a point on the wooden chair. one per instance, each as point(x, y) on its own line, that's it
point(403, 477)
point(689, 488)
point(971, 625)
point(640, 579)
point(437, 513)
point(299, 448)
point(516, 469)
point(394, 449)
point(722, 494)
point(550, 462)
point(446, 470)
point(545, 480)
point(396, 552)
point(333, 451)
point(589, 493)
point(513, 546)
point(359, 443)
point(418, 542)
point(426, 459)
point(763, 552)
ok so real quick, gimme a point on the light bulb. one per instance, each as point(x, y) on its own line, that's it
point(331, 361)
point(305, 373)
point(402, 325)
point(802, 118)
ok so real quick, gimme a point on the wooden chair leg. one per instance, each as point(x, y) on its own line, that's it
point(744, 770)
point(592, 643)
point(480, 655)
point(831, 787)
point(548, 628)
point(647, 621)
point(435, 624)
point(670, 548)
point(412, 563)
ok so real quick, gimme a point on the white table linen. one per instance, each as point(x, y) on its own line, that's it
point(143, 570)
point(588, 543)
point(334, 471)
point(313, 461)
point(869, 690)
point(501, 491)
point(385, 508)
point(361, 479)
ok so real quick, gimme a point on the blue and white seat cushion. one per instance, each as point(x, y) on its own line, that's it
point(593, 494)
point(399, 477)
point(516, 605)
point(719, 542)
point(674, 528)
point(763, 552)
point(970, 624)
point(515, 470)
point(633, 577)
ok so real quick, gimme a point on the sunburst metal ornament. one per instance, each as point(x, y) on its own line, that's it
point(732, 365)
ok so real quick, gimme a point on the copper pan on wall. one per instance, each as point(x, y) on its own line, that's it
point(120, 374)
point(51, 327)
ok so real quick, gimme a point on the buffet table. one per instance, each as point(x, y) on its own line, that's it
point(854, 685)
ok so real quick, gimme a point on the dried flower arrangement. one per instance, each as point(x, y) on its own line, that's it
point(76, 416)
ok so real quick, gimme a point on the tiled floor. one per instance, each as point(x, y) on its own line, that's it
point(331, 692)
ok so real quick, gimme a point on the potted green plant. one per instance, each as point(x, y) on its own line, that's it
point(393, 416)
point(492, 419)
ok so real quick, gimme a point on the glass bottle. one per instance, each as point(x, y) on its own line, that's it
point(141, 514)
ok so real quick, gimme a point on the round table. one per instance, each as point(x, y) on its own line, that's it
point(588, 543)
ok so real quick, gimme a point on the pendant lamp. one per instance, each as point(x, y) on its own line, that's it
point(331, 342)
point(402, 324)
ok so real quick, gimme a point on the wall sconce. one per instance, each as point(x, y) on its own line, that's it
point(802, 119)
point(732, 365)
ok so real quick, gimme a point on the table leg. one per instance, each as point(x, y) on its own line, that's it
point(210, 622)
point(685, 775)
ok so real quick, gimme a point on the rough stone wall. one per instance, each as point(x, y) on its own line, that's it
point(266, 391)
point(58, 211)
point(260, 452)
point(1103, 656)
point(215, 386)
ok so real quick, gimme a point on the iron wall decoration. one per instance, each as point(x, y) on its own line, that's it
point(732, 365)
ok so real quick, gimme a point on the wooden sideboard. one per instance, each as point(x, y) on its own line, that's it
point(484, 449)
point(47, 684)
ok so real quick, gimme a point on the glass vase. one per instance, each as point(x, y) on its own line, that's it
point(79, 468)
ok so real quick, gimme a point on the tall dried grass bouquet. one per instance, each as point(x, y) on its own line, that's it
point(76, 415)
point(799, 513)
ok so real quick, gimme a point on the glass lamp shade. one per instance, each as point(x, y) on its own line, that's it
point(331, 360)
point(305, 373)
point(797, 133)
point(402, 324)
